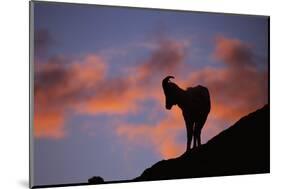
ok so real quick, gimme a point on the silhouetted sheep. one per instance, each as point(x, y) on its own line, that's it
point(195, 105)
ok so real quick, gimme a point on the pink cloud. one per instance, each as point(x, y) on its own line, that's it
point(84, 85)
point(112, 96)
point(233, 52)
point(58, 87)
point(161, 136)
point(236, 89)
point(48, 124)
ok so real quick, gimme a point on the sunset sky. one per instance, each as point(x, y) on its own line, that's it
point(99, 107)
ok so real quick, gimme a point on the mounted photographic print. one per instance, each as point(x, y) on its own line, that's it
point(122, 94)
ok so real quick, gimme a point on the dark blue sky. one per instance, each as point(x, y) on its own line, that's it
point(80, 29)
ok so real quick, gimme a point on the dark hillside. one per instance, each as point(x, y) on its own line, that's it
point(241, 149)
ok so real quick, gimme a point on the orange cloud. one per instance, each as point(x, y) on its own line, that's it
point(162, 136)
point(49, 125)
point(236, 89)
point(234, 93)
point(233, 52)
point(116, 96)
point(85, 87)
point(58, 87)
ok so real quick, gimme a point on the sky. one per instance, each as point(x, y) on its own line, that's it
point(99, 106)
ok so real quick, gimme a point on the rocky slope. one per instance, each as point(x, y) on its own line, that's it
point(241, 149)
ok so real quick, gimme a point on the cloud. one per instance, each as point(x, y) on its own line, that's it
point(112, 96)
point(48, 124)
point(237, 88)
point(84, 86)
point(166, 58)
point(42, 41)
point(161, 136)
point(60, 85)
point(233, 52)
point(122, 94)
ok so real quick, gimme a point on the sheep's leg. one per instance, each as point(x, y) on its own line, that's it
point(189, 135)
point(197, 130)
point(199, 137)
point(194, 136)
point(197, 134)
point(194, 141)
point(189, 128)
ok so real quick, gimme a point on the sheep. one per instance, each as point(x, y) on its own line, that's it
point(195, 105)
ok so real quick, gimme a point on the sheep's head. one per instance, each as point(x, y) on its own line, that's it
point(168, 88)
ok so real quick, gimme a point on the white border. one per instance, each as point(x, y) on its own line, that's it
point(14, 15)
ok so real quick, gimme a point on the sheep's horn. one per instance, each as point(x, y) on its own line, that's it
point(166, 80)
